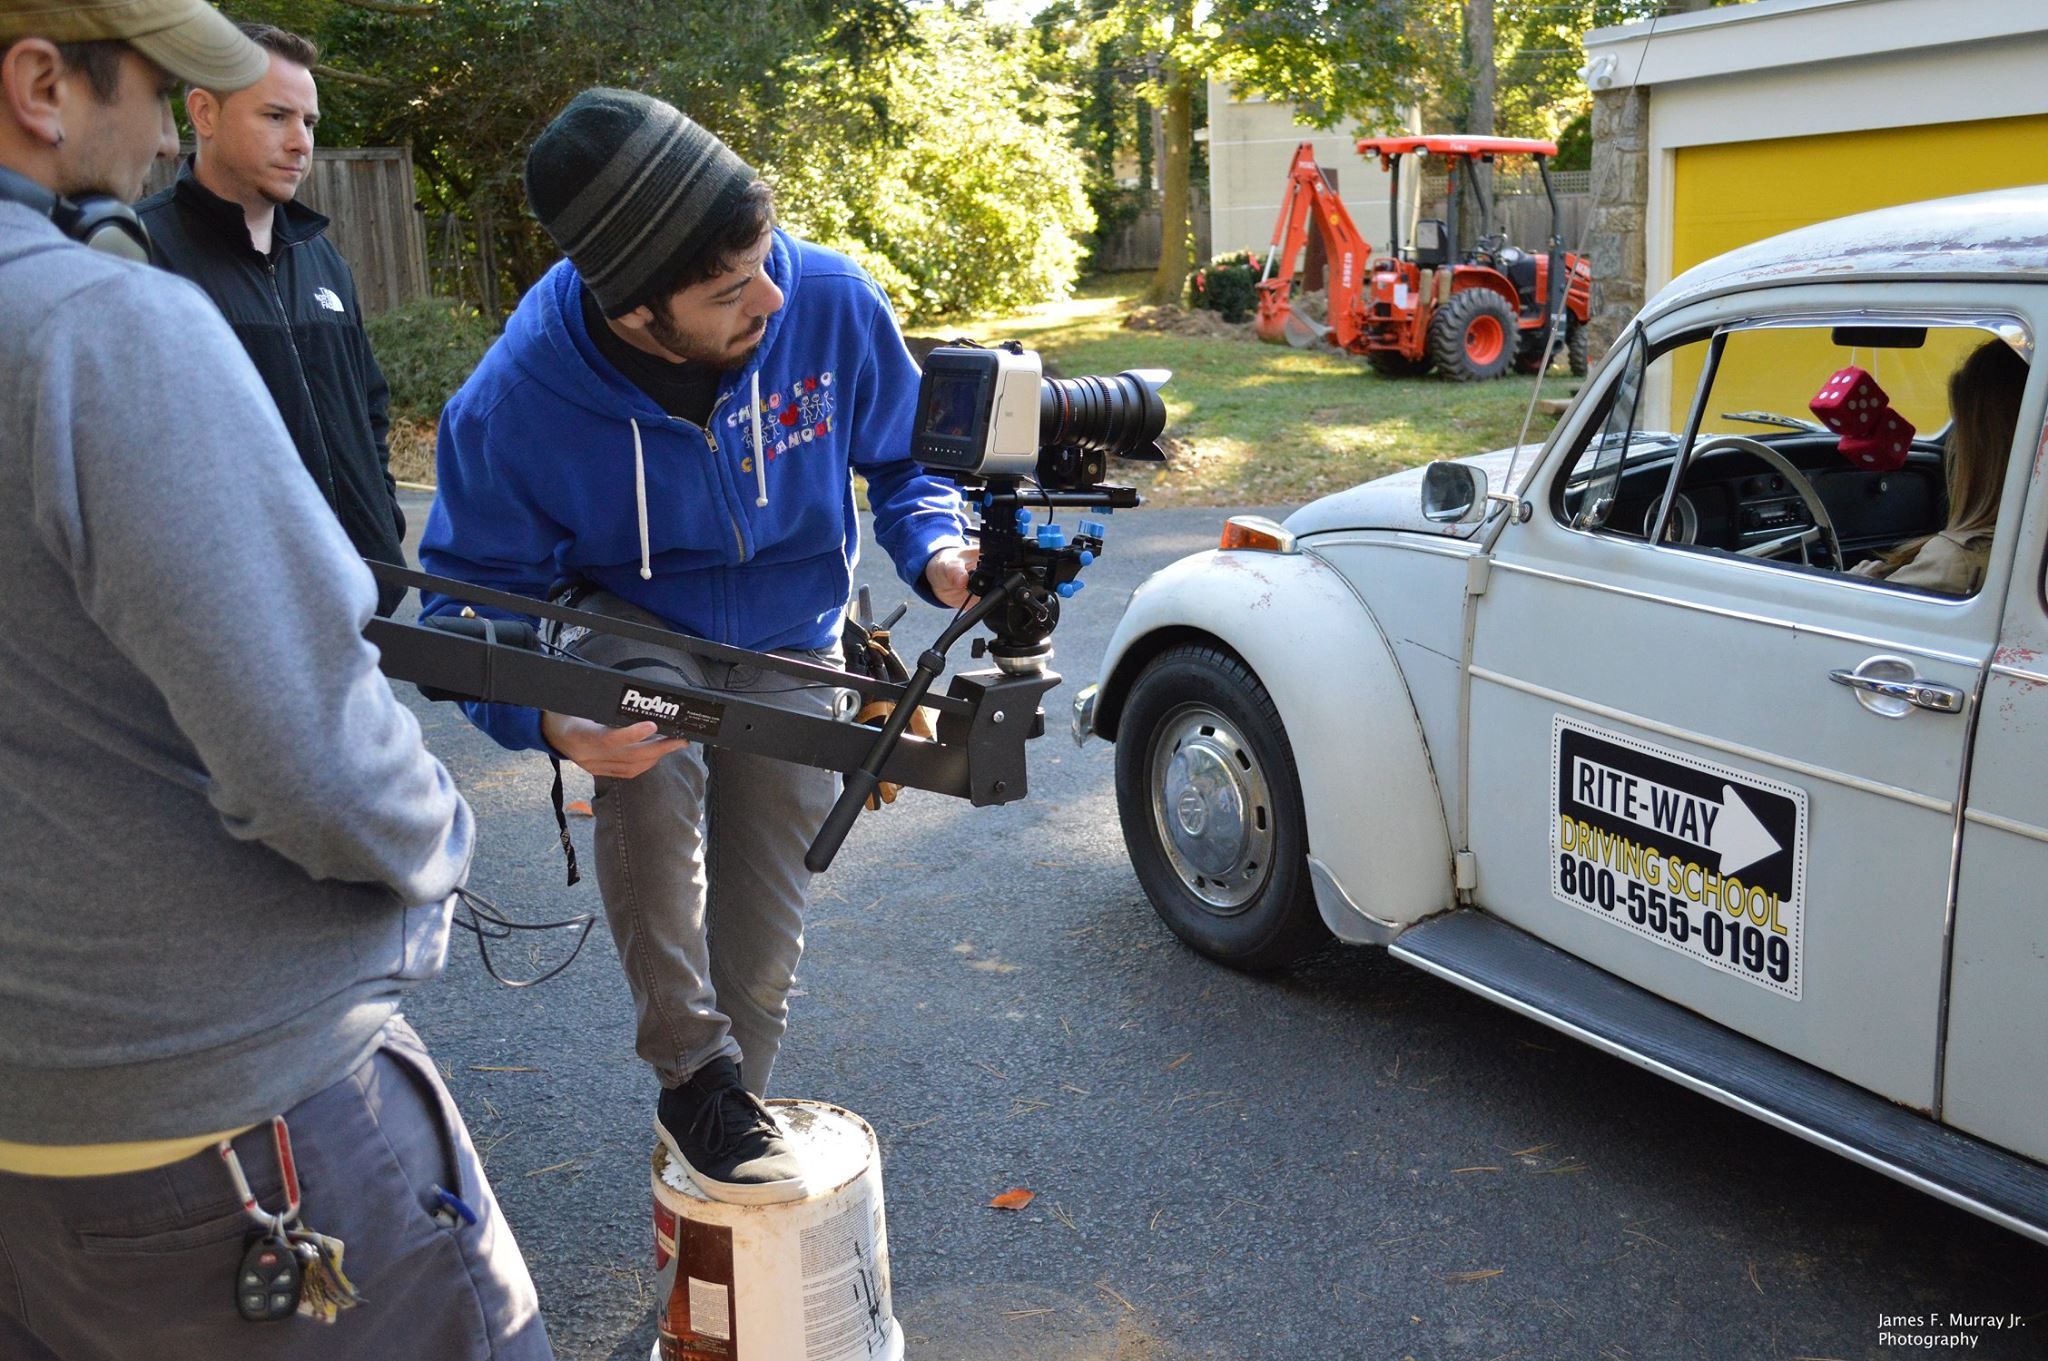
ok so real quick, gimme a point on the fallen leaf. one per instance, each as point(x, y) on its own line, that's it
point(578, 808)
point(1013, 1200)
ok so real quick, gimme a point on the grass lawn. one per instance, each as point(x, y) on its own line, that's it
point(1248, 424)
point(1257, 424)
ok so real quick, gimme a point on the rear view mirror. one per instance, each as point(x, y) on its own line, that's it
point(1453, 494)
point(1880, 337)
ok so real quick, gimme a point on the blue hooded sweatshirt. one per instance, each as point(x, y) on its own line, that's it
point(552, 466)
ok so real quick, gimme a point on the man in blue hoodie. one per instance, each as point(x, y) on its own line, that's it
point(667, 432)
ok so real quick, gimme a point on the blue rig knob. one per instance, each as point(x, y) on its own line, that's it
point(1094, 529)
point(1052, 536)
point(1023, 522)
point(1067, 589)
point(1086, 557)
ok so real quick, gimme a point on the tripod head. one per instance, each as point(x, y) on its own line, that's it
point(1043, 561)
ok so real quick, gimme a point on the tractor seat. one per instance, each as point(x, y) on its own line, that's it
point(1520, 267)
point(1432, 248)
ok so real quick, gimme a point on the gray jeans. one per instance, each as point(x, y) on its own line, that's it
point(700, 862)
point(144, 1263)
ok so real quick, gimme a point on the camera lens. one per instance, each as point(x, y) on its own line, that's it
point(1118, 416)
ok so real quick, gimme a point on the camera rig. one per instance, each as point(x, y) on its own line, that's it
point(985, 717)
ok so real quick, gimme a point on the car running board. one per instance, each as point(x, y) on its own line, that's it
point(1485, 955)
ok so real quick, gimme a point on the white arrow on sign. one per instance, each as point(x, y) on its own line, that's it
point(1727, 828)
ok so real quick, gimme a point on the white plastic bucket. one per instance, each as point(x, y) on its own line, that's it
point(804, 1280)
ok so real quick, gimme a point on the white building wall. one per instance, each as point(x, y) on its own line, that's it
point(1251, 143)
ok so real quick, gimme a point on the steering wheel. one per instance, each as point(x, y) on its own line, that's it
point(1823, 528)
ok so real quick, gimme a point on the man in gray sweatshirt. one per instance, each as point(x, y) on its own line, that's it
point(227, 855)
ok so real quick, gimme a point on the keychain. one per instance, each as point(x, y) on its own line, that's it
point(286, 1268)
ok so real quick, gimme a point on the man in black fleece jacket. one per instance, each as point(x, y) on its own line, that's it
point(230, 224)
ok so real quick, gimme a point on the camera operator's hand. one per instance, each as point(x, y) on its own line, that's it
point(615, 753)
point(948, 571)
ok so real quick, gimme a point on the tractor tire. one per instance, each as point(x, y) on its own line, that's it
point(1393, 364)
point(1473, 336)
point(1576, 345)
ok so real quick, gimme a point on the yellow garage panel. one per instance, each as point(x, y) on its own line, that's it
point(1732, 194)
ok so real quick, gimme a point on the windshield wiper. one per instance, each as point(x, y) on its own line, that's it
point(1772, 418)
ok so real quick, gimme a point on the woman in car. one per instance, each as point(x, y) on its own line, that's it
point(1984, 404)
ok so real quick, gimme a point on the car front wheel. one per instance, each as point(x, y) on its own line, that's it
point(1211, 810)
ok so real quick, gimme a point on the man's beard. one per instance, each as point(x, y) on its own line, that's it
point(672, 338)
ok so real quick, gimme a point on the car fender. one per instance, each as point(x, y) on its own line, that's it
point(1379, 846)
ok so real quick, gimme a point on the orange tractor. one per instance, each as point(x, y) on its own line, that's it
point(1416, 306)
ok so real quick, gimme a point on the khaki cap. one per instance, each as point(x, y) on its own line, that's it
point(188, 38)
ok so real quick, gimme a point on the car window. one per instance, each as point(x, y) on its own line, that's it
point(1627, 447)
point(1827, 446)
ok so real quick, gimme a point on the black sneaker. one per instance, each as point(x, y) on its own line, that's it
point(726, 1140)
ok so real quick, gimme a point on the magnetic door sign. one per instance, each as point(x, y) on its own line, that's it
point(1702, 859)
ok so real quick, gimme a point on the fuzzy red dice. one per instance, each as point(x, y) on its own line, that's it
point(1848, 403)
point(1885, 448)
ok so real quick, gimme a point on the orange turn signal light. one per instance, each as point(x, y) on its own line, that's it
point(1256, 534)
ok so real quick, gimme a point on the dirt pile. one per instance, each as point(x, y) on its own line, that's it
point(1178, 321)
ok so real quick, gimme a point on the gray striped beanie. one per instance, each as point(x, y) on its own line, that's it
point(631, 191)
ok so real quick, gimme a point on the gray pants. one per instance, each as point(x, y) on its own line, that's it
point(700, 862)
point(144, 1263)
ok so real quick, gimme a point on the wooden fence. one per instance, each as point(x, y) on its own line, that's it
point(1520, 207)
point(368, 193)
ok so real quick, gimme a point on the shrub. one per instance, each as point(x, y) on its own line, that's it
point(427, 348)
point(1229, 284)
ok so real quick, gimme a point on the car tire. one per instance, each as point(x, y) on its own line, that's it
point(1472, 338)
point(1211, 809)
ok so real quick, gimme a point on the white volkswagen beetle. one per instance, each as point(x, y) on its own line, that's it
point(1711, 733)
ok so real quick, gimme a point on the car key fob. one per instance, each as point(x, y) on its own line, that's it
point(268, 1283)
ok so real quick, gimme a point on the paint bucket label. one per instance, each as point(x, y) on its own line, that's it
point(694, 1283)
point(846, 1284)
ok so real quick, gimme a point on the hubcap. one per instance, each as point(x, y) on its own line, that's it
point(1211, 805)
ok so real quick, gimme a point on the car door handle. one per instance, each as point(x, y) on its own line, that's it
point(1921, 694)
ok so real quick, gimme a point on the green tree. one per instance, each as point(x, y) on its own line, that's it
point(975, 195)
point(468, 84)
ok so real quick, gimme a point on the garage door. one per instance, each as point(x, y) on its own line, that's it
point(1732, 194)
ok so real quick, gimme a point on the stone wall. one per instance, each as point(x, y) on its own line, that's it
point(1621, 196)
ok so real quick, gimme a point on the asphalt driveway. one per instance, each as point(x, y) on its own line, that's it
point(1351, 1160)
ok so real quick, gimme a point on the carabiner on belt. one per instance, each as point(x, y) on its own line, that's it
point(281, 1222)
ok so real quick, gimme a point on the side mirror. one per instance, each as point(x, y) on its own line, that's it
point(1453, 494)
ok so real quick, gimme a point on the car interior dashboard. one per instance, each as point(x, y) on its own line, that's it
point(1733, 501)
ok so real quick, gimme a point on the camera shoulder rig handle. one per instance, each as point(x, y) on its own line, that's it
point(984, 718)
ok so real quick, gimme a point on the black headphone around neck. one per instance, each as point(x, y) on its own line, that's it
point(99, 220)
